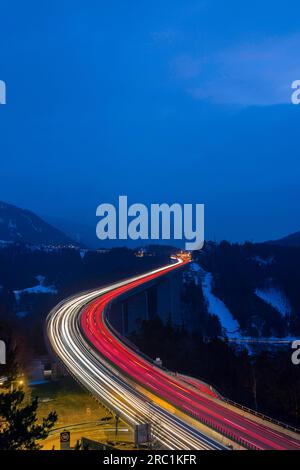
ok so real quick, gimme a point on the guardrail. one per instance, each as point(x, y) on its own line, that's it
point(261, 415)
point(251, 411)
point(221, 397)
point(231, 436)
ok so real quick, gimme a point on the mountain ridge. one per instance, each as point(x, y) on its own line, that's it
point(292, 240)
point(23, 225)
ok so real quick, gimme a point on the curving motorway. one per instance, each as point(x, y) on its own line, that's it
point(108, 384)
point(137, 390)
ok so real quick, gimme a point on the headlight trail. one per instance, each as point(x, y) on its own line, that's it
point(81, 335)
point(107, 383)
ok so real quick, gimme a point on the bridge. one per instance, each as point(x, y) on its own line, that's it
point(183, 412)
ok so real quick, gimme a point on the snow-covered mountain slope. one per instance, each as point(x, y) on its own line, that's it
point(215, 306)
point(275, 297)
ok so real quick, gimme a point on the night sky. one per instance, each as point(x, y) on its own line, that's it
point(161, 100)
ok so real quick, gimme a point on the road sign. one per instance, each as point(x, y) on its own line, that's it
point(142, 434)
point(65, 440)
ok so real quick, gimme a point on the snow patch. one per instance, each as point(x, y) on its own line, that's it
point(40, 279)
point(192, 274)
point(262, 261)
point(12, 225)
point(37, 229)
point(38, 289)
point(195, 267)
point(5, 243)
point(275, 297)
point(217, 307)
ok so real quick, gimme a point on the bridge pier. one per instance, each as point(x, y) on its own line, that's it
point(161, 298)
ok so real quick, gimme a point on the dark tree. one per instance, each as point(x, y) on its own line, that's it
point(18, 422)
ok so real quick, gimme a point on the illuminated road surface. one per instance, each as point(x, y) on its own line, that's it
point(110, 385)
point(80, 334)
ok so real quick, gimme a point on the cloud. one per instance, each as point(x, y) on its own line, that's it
point(258, 73)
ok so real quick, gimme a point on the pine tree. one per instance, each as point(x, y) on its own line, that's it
point(18, 422)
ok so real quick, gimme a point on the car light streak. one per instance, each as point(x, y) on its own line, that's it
point(107, 383)
point(81, 335)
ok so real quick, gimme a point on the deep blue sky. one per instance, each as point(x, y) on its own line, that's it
point(162, 100)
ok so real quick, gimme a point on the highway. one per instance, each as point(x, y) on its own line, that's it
point(108, 384)
point(80, 334)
